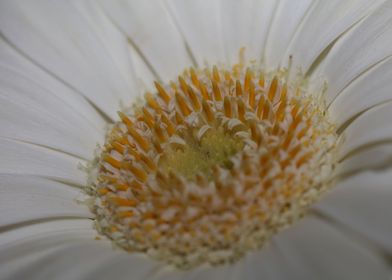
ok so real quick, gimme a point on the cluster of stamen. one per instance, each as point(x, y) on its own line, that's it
point(211, 166)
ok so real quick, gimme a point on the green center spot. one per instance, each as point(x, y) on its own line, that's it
point(215, 148)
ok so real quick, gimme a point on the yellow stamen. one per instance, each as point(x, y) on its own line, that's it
point(148, 118)
point(273, 89)
point(112, 161)
point(139, 173)
point(124, 118)
point(143, 143)
point(123, 202)
point(183, 85)
point(162, 93)
point(185, 110)
point(194, 100)
point(247, 80)
point(194, 78)
point(169, 125)
point(252, 95)
point(241, 110)
point(204, 92)
point(238, 88)
point(215, 74)
point(216, 91)
point(227, 106)
point(260, 107)
point(208, 111)
point(153, 103)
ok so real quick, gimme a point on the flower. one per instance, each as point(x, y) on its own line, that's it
point(67, 67)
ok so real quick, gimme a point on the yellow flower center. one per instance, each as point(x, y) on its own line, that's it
point(212, 165)
point(198, 156)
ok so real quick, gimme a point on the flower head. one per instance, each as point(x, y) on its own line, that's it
point(212, 166)
point(244, 139)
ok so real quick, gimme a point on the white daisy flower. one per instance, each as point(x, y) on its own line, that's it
point(195, 140)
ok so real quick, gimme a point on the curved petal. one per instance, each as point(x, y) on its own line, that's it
point(35, 236)
point(363, 203)
point(314, 249)
point(27, 159)
point(198, 273)
point(267, 263)
point(246, 24)
point(111, 38)
point(145, 75)
point(11, 59)
point(359, 49)
point(200, 25)
point(324, 23)
point(21, 246)
point(32, 114)
point(27, 198)
point(372, 127)
point(69, 248)
point(87, 259)
point(229, 272)
point(152, 32)
point(286, 21)
point(374, 157)
point(15, 269)
point(370, 89)
point(206, 272)
point(56, 36)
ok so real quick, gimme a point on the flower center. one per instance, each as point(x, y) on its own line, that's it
point(199, 155)
point(212, 166)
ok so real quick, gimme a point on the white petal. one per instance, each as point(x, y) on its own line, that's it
point(363, 203)
point(16, 269)
point(35, 236)
point(325, 22)
point(372, 127)
point(88, 260)
point(27, 198)
point(370, 89)
point(200, 24)
point(316, 250)
point(30, 113)
point(33, 242)
point(373, 157)
point(205, 272)
point(267, 264)
point(114, 42)
point(13, 60)
point(23, 245)
point(229, 272)
point(145, 77)
point(91, 261)
point(59, 39)
point(246, 24)
point(118, 267)
point(66, 249)
point(151, 30)
point(286, 20)
point(27, 159)
point(362, 47)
